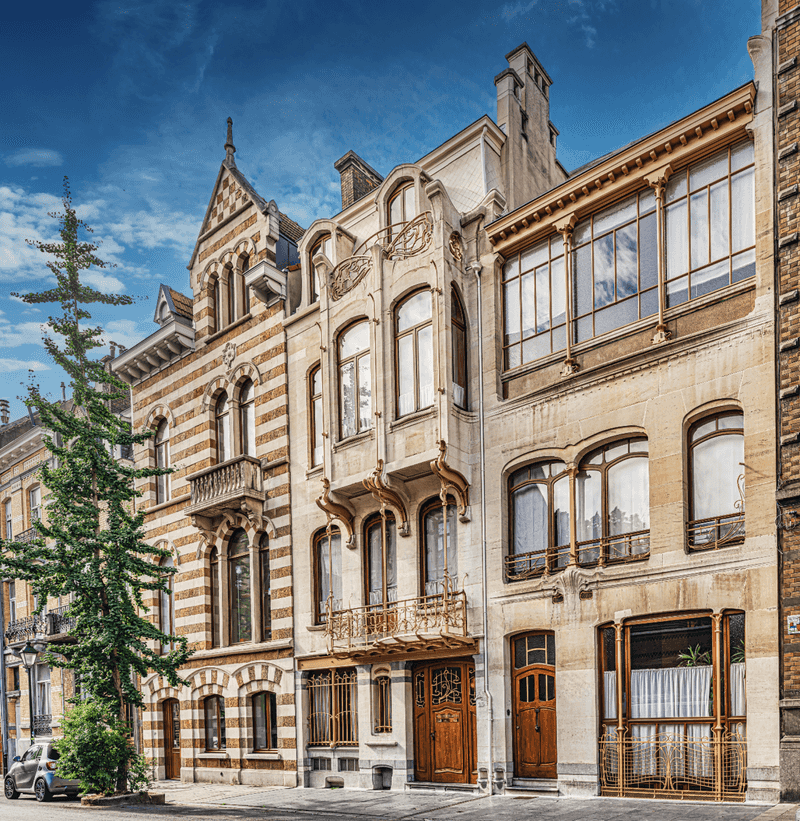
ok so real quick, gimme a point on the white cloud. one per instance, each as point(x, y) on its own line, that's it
point(37, 157)
point(124, 332)
point(23, 333)
point(105, 283)
point(511, 10)
point(9, 365)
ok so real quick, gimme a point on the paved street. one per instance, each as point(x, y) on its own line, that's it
point(189, 801)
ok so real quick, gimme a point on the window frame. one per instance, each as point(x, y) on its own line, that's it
point(167, 625)
point(35, 510)
point(8, 519)
point(270, 720)
point(247, 424)
point(459, 353)
point(315, 424)
point(426, 509)
point(219, 713)
point(239, 541)
point(338, 726)
point(413, 331)
point(222, 428)
point(382, 718)
point(265, 587)
point(399, 192)
point(215, 584)
point(355, 359)
point(161, 453)
point(319, 537)
point(324, 243)
point(373, 521)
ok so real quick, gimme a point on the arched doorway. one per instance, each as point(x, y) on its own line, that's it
point(534, 683)
point(445, 732)
point(172, 739)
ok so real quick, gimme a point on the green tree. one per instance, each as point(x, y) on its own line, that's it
point(92, 545)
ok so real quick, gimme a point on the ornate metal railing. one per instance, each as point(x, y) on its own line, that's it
point(716, 532)
point(27, 536)
point(687, 762)
point(361, 626)
point(60, 622)
point(627, 547)
point(399, 241)
point(221, 482)
point(27, 628)
point(42, 724)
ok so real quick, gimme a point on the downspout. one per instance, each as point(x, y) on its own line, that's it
point(484, 596)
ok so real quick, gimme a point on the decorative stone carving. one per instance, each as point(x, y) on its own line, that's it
point(334, 510)
point(455, 246)
point(229, 354)
point(345, 276)
point(452, 481)
point(381, 492)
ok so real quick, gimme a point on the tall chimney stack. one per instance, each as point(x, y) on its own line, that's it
point(358, 178)
point(4, 417)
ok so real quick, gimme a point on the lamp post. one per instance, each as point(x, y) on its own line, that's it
point(29, 654)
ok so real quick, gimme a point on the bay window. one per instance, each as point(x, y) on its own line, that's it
point(414, 331)
point(355, 380)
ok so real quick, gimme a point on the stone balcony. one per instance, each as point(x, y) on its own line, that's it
point(235, 485)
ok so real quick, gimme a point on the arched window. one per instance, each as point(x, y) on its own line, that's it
point(8, 519)
point(244, 265)
point(355, 380)
point(265, 721)
point(327, 573)
point(162, 461)
point(402, 207)
point(539, 537)
point(214, 712)
point(166, 610)
point(35, 499)
point(241, 610)
point(414, 353)
point(266, 588)
point(247, 419)
point(324, 245)
point(216, 591)
point(439, 565)
point(716, 465)
point(383, 704)
point(215, 288)
point(612, 499)
point(223, 428)
point(459, 332)
point(381, 564)
point(230, 278)
point(315, 415)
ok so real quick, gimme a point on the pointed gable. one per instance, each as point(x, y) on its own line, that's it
point(172, 304)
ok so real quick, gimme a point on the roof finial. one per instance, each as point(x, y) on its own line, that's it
point(230, 149)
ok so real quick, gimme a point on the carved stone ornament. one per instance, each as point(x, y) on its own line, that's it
point(452, 481)
point(381, 492)
point(455, 246)
point(228, 354)
point(334, 510)
point(345, 276)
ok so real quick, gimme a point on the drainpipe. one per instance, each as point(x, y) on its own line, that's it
point(476, 269)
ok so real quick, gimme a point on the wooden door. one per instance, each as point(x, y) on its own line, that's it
point(444, 722)
point(172, 738)
point(535, 722)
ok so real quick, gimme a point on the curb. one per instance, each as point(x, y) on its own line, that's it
point(128, 798)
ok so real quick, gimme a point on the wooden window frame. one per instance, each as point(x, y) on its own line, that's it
point(458, 320)
point(233, 544)
point(412, 331)
point(270, 719)
point(265, 584)
point(161, 448)
point(219, 710)
point(355, 358)
point(221, 422)
point(382, 723)
point(376, 520)
point(243, 421)
point(313, 398)
point(426, 509)
point(317, 539)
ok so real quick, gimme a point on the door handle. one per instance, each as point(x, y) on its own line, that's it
point(537, 719)
point(433, 734)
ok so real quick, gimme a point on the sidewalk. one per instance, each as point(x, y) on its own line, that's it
point(283, 802)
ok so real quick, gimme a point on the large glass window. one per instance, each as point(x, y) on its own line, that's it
point(327, 573)
point(381, 556)
point(266, 589)
point(222, 418)
point(355, 380)
point(323, 245)
point(535, 302)
point(333, 708)
point(414, 353)
point(216, 589)
point(459, 326)
point(241, 611)
point(162, 461)
point(315, 399)
point(9, 520)
point(402, 208)
point(615, 267)
point(167, 605)
point(231, 279)
point(35, 498)
point(440, 566)
point(214, 712)
point(265, 721)
point(215, 287)
point(710, 213)
point(247, 418)
point(716, 510)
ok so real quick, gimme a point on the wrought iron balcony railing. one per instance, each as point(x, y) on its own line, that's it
point(59, 622)
point(27, 536)
point(43, 724)
point(53, 623)
point(716, 532)
point(225, 486)
point(386, 624)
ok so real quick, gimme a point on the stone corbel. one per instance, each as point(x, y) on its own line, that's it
point(254, 512)
point(452, 481)
point(334, 510)
point(381, 492)
point(206, 528)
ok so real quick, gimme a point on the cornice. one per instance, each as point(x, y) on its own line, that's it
point(717, 123)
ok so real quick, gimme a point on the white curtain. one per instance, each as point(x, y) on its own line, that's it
point(610, 694)
point(738, 703)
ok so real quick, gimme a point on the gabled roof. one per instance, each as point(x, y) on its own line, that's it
point(172, 304)
point(289, 228)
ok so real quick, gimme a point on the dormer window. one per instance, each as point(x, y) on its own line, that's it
point(402, 208)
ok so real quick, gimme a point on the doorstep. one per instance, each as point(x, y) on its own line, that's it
point(437, 786)
point(532, 786)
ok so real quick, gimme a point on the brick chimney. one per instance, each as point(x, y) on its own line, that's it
point(358, 178)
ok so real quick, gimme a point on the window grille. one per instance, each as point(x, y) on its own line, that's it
point(320, 763)
point(348, 765)
point(332, 709)
point(383, 704)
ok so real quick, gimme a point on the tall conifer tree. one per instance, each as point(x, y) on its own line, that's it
point(90, 545)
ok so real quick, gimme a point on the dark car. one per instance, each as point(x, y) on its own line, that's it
point(36, 772)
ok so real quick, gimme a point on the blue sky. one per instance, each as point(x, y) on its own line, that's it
point(129, 99)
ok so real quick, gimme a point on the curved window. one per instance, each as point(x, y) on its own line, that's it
point(247, 418)
point(539, 497)
point(414, 353)
point(216, 591)
point(327, 573)
point(222, 419)
point(440, 566)
point(265, 721)
point(162, 461)
point(402, 207)
point(315, 398)
point(459, 332)
point(381, 565)
point(167, 605)
point(716, 504)
point(612, 503)
point(355, 380)
point(214, 713)
point(241, 610)
point(266, 588)
point(324, 245)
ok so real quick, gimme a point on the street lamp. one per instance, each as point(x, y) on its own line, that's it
point(29, 654)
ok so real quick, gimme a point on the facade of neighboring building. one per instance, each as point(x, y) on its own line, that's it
point(211, 383)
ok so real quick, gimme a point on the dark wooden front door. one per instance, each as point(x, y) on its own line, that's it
point(172, 738)
point(444, 722)
point(535, 709)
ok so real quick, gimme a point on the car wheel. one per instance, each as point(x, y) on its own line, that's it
point(41, 791)
point(10, 789)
